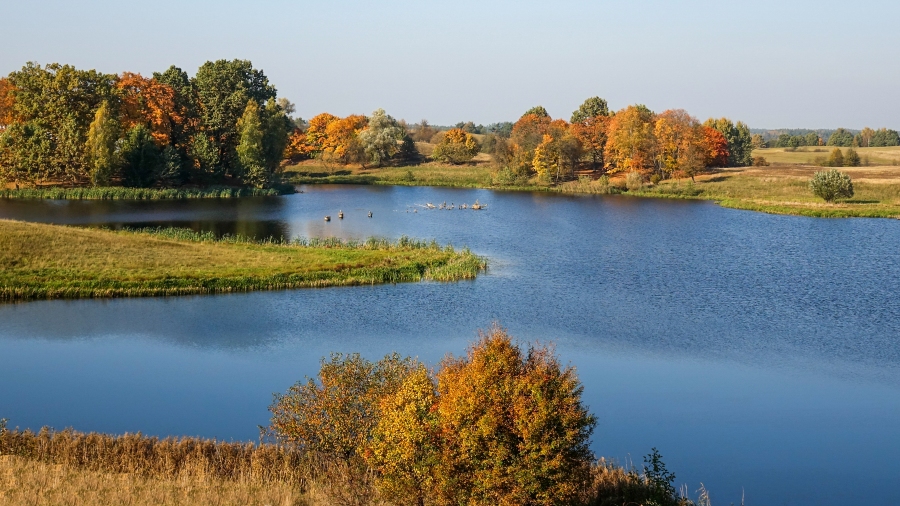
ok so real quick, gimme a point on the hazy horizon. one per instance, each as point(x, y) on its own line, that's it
point(803, 64)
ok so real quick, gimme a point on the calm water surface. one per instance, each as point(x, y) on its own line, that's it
point(759, 353)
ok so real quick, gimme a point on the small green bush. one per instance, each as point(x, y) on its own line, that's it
point(831, 184)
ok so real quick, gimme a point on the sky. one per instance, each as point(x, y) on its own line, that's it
point(768, 63)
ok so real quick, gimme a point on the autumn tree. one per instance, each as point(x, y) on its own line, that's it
point(716, 146)
point(740, 141)
point(184, 123)
point(681, 144)
point(864, 137)
point(336, 412)
point(456, 146)
point(315, 133)
point(555, 157)
point(101, 146)
point(148, 102)
point(527, 134)
point(405, 445)
point(7, 101)
point(589, 126)
point(514, 430)
point(381, 137)
point(631, 145)
point(341, 142)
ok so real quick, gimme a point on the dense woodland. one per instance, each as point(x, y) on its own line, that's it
point(841, 137)
point(68, 126)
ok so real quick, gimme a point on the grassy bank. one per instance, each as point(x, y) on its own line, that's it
point(122, 193)
point(778, 189)
point(40, 261)
point(808, 155)
point(96, 469)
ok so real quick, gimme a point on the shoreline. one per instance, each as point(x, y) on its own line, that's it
point(41, 262)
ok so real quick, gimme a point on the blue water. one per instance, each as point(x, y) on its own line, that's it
point(759, 353)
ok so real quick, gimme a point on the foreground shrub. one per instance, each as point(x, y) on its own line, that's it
point(634, 180)
point(831, 185)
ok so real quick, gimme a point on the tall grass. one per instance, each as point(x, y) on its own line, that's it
point(122, 193)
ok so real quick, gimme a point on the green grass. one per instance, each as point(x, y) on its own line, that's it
point(40, 261)
point(430, 174)
point(122, 193)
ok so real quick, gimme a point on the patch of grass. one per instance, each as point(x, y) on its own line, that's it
point(808, 154)
point(475, 175)
point(40, 261)
point(122, 193)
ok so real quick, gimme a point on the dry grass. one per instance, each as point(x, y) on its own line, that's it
point(30, 483)
point(475, 174)
point(48, 261)
point(808, 154)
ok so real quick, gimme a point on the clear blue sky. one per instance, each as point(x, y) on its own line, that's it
point(769, 63)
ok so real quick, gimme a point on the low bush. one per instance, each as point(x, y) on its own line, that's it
point(831, 185)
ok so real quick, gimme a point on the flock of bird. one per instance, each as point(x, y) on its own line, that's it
point(443, 206)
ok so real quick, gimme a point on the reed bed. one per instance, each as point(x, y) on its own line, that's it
point(52, 262)
point(122, 193)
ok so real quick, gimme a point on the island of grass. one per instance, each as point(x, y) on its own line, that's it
point(39, 261)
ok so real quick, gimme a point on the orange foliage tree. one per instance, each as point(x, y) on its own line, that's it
point(557, 153)
point(631, 145)
point(527, 135)
point(592, 135)
point(716, 147)
point(7, 114)
point(681, 144)
point(315, 133)
point(341, 143)
point(146, 101)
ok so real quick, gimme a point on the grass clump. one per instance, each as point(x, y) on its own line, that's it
point(40, 261)
point(123, 193)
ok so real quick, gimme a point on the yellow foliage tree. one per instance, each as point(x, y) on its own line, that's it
point(631, 145)
point(456, 146)
point(146, 101)
point(340, 143)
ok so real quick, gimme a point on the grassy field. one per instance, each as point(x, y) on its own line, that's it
point(40, 261)
point(808, 155)
point(785, 190)
point(474, 175)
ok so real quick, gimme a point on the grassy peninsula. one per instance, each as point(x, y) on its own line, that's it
point(39, 261)
point(125, 193)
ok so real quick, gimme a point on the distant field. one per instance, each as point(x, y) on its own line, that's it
point(808, 155)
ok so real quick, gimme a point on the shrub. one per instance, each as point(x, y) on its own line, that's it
point(831, 184)
point(456, 146)
point(836, 159)
point(851, 159)
point(335, 415)
point(634, 181)
point(760, 161)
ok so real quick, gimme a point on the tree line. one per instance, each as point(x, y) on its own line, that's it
point(841, 137)
point(65, 125)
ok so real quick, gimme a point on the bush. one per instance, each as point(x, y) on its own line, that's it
point(634, 181)
point(456, 146)
point(851, 159)
point(760, 161)
point(831, 185)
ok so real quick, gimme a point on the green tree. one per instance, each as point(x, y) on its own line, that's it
point(277, 128)
point(250, 150)
point(380, 139)
point(140, 158)
point(538, 111)
point(840, 138)
point(223, 89)
point(851, 159)
point(884, 137)
point(831, 184)
point(812, 139)
point(836, 159)
point(101, 146)
point(182, 133)
point(57, 102)
point(740, 141)
point(591, 108)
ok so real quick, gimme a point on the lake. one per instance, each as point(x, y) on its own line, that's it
point(760, 354)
